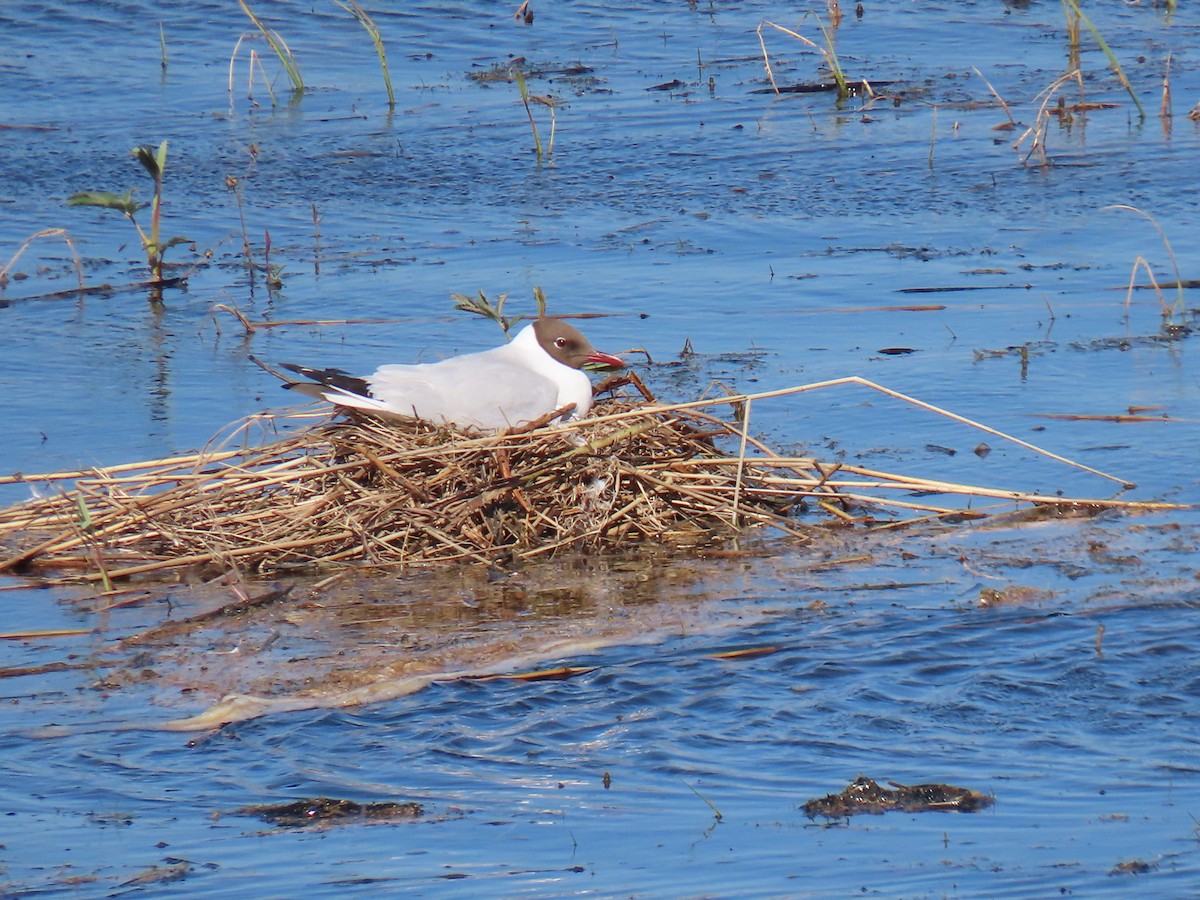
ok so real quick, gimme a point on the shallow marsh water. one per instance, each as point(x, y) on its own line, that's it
point(777, 233)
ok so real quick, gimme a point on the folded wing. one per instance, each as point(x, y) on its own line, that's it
point(463, 391)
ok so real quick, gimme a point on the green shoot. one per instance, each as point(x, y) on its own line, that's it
point(373, 30)
point(279, 45)
point(480, 305)
point(154, 161)
point(85, 526)
point(85, 515)
point(551, 104)
point(711, 805)
point(545, 100)
point(162, 44)
point(537, 138)
point(828, 53)
point(233, 183)
point(1073, 10)
point(273, 273)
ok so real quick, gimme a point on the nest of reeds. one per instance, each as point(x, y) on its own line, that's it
point(360, 490)
point(364, 490)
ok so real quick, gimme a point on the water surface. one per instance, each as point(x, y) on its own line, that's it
point(778, 234)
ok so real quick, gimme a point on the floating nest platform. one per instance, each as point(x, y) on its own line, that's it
point(359, 490)
point(362, 490)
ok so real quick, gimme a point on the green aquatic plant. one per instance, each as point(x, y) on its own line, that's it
point(234, 184)
point(546, 101)
point(153, 161)
point(480, 305)
point(373, 30)
point(1075, 15)
point(537, 138)
point(272, 272)
point(828, 53)
point(279, 45)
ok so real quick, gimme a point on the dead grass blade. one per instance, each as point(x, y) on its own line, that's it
point(1180, 304)
point(1037, 131)
point(43, 633)
point(45, 233)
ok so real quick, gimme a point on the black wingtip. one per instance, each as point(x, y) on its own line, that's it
point(334, 378)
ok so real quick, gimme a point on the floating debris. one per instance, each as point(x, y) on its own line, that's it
point(1132, 867)
point(324, 812)
point(863, 795)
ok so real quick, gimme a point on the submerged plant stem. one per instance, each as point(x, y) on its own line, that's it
point(827, 52)
point(1074, 9)
point(377, 38)
point(537, 138)
point(280, 47)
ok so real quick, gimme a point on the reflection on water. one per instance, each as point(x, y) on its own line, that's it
point(889, 666)
point(772, 232)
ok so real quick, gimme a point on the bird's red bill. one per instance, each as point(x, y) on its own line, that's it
point(598, 360)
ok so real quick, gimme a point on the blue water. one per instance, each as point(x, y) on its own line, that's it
point(769, 231)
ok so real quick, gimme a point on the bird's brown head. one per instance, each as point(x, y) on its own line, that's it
point(568, 346)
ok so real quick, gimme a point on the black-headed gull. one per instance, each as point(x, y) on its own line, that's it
point(534, 374)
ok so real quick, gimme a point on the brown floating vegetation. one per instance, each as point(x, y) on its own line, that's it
point(325, 812)
point(863, 795)
point(365, 491)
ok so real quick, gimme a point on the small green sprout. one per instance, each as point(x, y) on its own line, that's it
point(155, 162)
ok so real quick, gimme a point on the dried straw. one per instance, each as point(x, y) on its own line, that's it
point(361, 490)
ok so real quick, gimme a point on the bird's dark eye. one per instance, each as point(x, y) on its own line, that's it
point(560, 342)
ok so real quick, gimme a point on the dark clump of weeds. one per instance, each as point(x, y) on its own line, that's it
point(864, 795)
point(327, 812)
